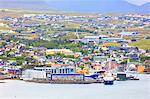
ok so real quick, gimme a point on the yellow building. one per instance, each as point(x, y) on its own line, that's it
point(85, 70)
point(141, 68)
point(60, 51)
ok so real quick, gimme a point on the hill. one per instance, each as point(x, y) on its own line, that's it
point(146, 6)
point(104, 6)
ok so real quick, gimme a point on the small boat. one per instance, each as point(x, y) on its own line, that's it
point(94, 76)
point(132, 75)
point(134, 79)
point(108, 79)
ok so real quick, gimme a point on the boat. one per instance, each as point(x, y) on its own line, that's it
point(132, 75)
point(108, 79)
point(134, 79)
point(95, 74)
point(92, 75)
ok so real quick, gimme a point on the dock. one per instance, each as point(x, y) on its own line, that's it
point(62, 82)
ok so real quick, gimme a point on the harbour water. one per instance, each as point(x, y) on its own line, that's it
point(14, 89)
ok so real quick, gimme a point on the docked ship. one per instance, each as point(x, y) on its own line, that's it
point(108, 79)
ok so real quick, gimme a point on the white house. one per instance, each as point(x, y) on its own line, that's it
point(129, 33)
point(57, 69)
point(100, 38)
point(95, 39)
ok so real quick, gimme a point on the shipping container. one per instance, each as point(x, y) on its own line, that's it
point(121, 76)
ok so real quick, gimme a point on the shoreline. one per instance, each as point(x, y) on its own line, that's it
point(45, 81)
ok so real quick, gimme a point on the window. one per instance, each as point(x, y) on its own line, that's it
point(71, 70)
point(60, 71)
point(63, 71)
point(55, 71)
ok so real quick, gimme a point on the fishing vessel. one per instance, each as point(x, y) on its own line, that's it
point(108, 79)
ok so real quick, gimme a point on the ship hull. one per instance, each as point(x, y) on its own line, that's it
point(108, 82)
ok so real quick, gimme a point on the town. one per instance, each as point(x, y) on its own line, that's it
point(71, 47)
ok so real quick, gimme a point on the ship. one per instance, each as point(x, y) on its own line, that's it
point(108, 79)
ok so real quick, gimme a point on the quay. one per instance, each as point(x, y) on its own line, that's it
point(62, 82)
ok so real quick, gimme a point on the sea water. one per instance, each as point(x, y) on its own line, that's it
point(14, 89)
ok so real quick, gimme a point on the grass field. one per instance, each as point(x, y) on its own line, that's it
point(143, 44)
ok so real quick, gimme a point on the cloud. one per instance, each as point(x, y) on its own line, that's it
point(138, 2)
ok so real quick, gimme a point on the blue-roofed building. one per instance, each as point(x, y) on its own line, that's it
point(113, 39)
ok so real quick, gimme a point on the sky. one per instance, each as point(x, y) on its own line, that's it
point(137, 2)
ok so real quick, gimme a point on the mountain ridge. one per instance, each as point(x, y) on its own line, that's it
point(103, 6)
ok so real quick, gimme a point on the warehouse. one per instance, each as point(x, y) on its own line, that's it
point(33, 74)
